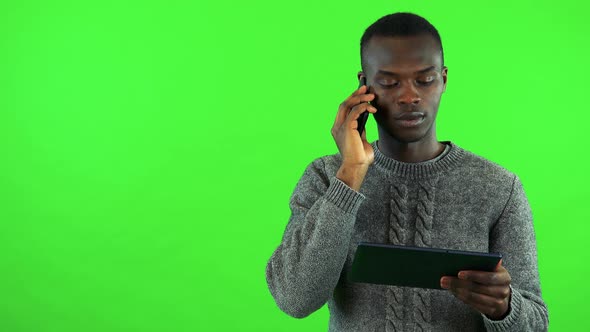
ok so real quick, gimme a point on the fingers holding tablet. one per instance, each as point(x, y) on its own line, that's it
point(487, 292)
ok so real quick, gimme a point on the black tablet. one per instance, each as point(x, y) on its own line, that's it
point(414, 266)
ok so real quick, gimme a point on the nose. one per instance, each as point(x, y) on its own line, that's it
point(408, 95)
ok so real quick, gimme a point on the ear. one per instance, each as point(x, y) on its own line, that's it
point(360, 74)
point(444, 77)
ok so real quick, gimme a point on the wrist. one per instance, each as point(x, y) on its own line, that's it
point(506, 309)
point(352, 176)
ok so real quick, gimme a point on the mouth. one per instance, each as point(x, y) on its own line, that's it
point(410, 119)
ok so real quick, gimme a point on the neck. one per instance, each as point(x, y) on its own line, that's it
point(410, 152)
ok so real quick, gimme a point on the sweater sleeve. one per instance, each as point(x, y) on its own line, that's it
point(304, 270)
point(513, 236)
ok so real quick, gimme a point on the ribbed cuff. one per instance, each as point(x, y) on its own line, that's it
point(344, 197)
point(508, 323)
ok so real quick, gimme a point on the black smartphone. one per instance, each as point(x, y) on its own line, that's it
point(362, 120)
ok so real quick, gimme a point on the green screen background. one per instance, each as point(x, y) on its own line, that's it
point(149, 148)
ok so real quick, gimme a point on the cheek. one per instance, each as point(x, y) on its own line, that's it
point(435, 101)
point(432, 97)
point(383, 99)
point(432, 101)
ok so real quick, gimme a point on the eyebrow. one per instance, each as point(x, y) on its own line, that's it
point(421, 71)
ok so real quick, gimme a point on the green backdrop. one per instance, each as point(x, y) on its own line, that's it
point(149, 148)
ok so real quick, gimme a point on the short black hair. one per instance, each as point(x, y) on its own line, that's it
point(400, 24)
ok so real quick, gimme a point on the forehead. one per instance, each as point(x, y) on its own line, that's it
point(402, 53)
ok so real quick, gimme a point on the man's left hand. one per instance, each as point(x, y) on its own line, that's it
point(487, 292)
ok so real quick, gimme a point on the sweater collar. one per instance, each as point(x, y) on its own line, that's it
point(421, 169)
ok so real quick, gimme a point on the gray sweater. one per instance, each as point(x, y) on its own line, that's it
point(459, 201)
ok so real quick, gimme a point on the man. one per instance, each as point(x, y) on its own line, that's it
point(407, 188)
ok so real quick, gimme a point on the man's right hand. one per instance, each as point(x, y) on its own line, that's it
point(357, 154)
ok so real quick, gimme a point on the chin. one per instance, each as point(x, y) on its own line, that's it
point(404, 135)
point(406, 138)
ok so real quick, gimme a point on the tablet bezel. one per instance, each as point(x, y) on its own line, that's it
point(396, 265)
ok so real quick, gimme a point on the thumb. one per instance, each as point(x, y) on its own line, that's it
point(498, 265)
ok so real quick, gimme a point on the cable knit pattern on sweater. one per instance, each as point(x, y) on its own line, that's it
point(459, 201)
point(421, 317)
point(425, 210)
point(422, 238)
point(398, 224)
point(398, 219)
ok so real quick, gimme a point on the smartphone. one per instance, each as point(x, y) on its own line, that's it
point(362, 120)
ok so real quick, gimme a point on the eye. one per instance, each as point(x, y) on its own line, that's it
point(388, 84)
point(427, 81)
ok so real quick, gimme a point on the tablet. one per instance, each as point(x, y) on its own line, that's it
point(414, 266)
